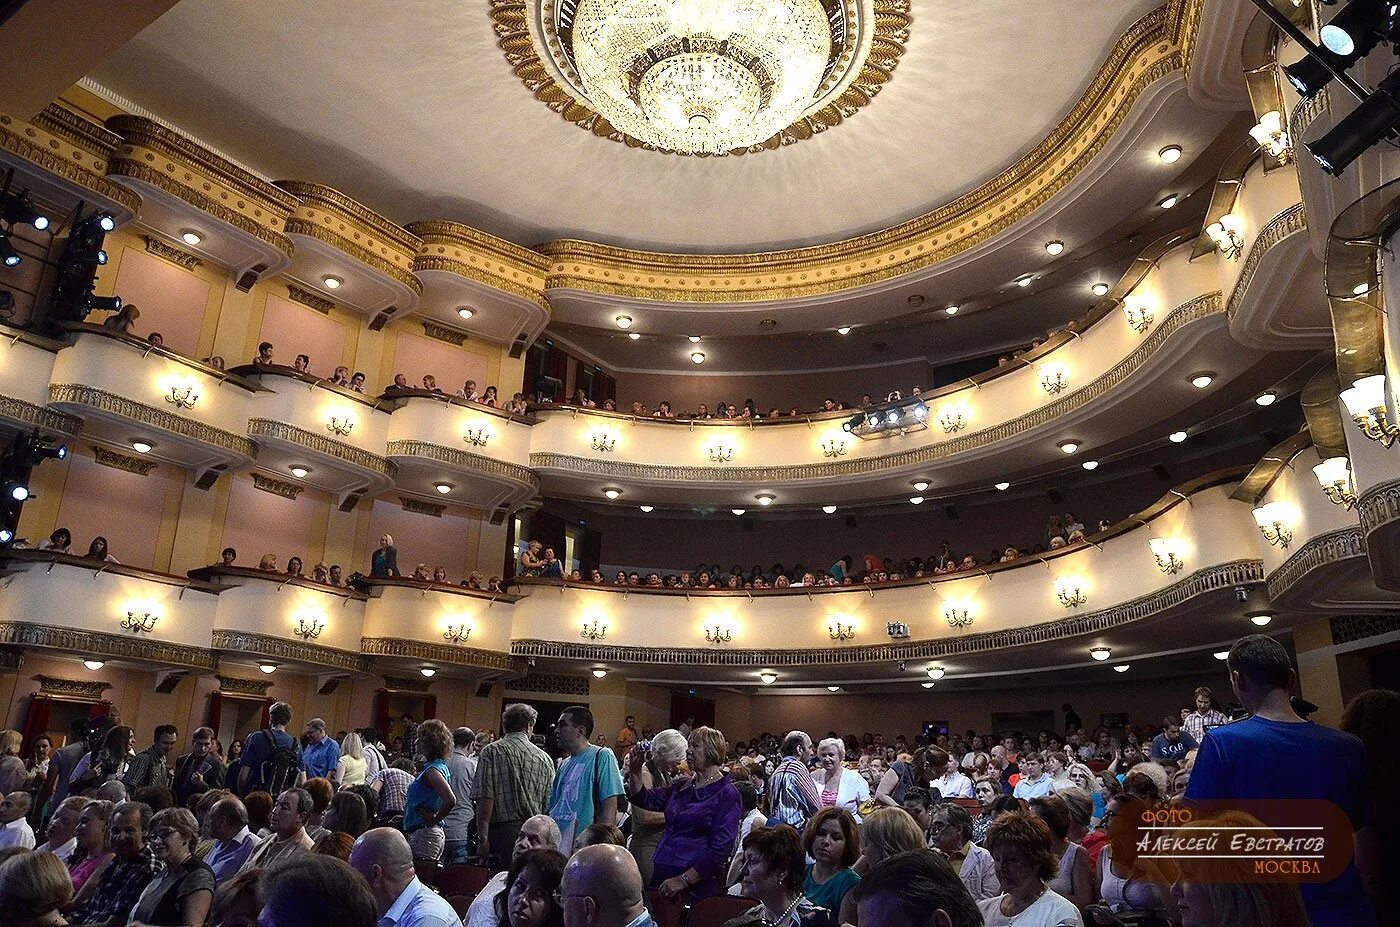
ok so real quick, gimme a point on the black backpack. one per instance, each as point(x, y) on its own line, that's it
point(280, 770)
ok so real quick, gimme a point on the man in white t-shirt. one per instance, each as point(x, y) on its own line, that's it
point(16, 831)
point(944, 777)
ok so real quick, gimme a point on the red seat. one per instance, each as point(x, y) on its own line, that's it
point(463, 879)
point(460, 903)
point(971, 804)
point(716, 910)
point(426, 870)
point(665, 913)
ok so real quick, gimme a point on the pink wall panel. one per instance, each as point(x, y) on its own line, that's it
point(262, 523)
point(420, 539)
point(415, 355)
point(172, 301)
point(294, 329)
point(123, 507)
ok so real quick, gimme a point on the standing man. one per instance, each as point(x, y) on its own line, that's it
point(63, 762)
point(1072, 719)
point(513, 782)
point(588, 784)
point(793, 795)
point(626, 738)
point(457, 826)
point(383, 857)
point(321, 753)
point(1247, 760)
point(270, 757)
point(1204, 717)
point(148, 767)
point(197, 772)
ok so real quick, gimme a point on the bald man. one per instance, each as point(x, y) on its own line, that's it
point(16, 831)
point(603, 888)
point(538, 833)
point(383, 857)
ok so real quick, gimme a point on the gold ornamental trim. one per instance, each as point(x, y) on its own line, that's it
point(98, 644)
point(438, 653)
point(1307, 109)
point(75, 163)
point(110, 458)
point(465, 460)
point(85, 689)
point(446, 333)
point(304, 223)
point(1379, 506)
point(356, 215)
point(233, 685)
point(1209, 579)
point(168, 252)
point(1289, 222)
point(1148, 51)
point(419, 507)
point(60, 120)
point(1323, 550)
point(77, 394)
point(438, 235)
point(17, 410)
point(310, 299)
point(1194, 310)
point(278, 648)
point(267, 428)
point(332, 217)
point(276, 487)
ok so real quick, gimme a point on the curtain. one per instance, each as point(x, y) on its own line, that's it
point(381, 714)
point(263, 720)
point(429, 706)
point(36, 721)
point(216, 711)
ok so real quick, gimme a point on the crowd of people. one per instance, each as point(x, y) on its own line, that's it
point(383, 563)
point(933, 830)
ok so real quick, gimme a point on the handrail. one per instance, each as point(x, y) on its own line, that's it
point(1262, 475)
point(396, 396)
point(213, 574)
point(427, 585)
point(223, 376)
point(53, 558)
point(255, 372)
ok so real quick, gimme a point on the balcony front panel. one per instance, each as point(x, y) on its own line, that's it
point(298, 612)
point(451, 626)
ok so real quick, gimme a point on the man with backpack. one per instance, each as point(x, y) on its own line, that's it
point(271, 760)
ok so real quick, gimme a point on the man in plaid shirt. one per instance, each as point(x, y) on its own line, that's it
point(792, 793)
point(391, 785)
point(1203, 717)
point(127, 875)
point(514, 779)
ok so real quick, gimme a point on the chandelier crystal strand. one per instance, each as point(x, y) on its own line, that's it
point(701, 76)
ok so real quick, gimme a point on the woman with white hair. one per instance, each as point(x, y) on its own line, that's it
point(663, 762)
point(385, 560)
point(839, 787)
point(1082, 777)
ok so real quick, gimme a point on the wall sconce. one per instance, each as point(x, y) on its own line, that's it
point(1334, 474)
point(476, 437)
point(720, 453)
point(139, 622)
point(457, 633)
point(952, 419)
point(1228, 234)
point(1070, 591)
point(603, 441)
point(1164, 551)
point(718, 635)
point(595, 631)
point(958, 615)
point(308, 628)
point(834, 447)
point(898, 630)
point(1271, 138)
point(841, 632)
point(1053, 378)
point(183, 395)
point(1271, 521)
point(1139, 316)
point(340, 425)
point(1366, 403)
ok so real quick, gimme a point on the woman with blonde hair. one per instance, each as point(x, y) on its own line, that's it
point(1211, 891)
point(33, 886)
point(1082, 777)
point(839, 787)
point(662, 763)
point(350, 769)
point(885, 832)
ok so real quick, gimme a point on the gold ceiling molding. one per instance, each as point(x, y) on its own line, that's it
point(281, 431)
point(1270, 467)
point(233, 685)
point(1326, 549)
point(110, 458)
point(1288, 222)
point(465, 460)
point(97, 644)
point(77, 394)
point(309, 299)
point(68, 146)
point(265, 645)
point(1149, 51)
point(334, 218)
point(890, 22)
point(85, 689)
point(460, 249)
point(17, 410)
point(177, 256)
point(1194, 310)
point(439, 332)
point(276, 487)
point(438, 653)
point(419, 507)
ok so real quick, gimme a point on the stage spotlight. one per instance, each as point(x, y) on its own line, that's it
point(107, 223)
point(8, 254)
point(104, 303)
point(17, 491)
point(6, 535)
point(1309, 75)
point(1354, 31)
point(855, 422)
point(1372, 120)
point(18, 210)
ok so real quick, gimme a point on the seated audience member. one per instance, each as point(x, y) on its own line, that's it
point(97, 550)
point(320, 790)
point(952, 830)
point(121, 883)
point(531, 895)
point(1209, 892)
point(1171, 746)
point(302, 363)
point(315, 890)
point(839, 787)
point(885, 833)
point(400, 382)
point(181, 894)
point(1136, 887)
point(517, 405)
point(335, 843)
point(233, 840)
point(832, 840)
point(288, 837)
point(488, 398)
point(259, 807)
point(237, 902)
point(919, 804)
point(341, 377)
point(430, 383)
point(295, 567)
point(14, 828)
point(59, 542)
point(123, 320)
point(357, 382)
point(914, 889)
point(268, 563)
point(1074, 879)
point(538, 833)
point(440, 574)
point(595, 834)
point(1023, 848)
point(347, 814)
point(1035, 782)
point(420, 572)
point(93, 852)
point(264, 358)
point(319, 573)
point(773, 872)
point(944, 776)
point(61, 837)
point(382, 856)
point(33, 887)
point(468, 391)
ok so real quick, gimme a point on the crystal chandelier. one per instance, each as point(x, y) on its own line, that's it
point(702, 76)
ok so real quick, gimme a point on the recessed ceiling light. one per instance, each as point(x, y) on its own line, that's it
point(599, 673)
point(1121, 668)
point(1202, 380)
point(921, 485)
point(646, 508)
point(1069, 447)
point(738, 511)
point(833, 688)
point(926, 685)
point(844, 330)
point(1176, 437)
point(694, 339)
point(768, 676)
point(1054, 247)
point(697, 357)
point(952, 310)
point(267, 667)
point(1100, 289)
point(765, 498)
point(936, 672)
point(1024, 281)
point(331, 282)
point(1170, 154)
point(191, 237)
point(1003, 486)
point(1261, 620)
point(427, 671)
point(443, 488)
point(1361, 289)
point(1090, 465)
point(1221, 655)
point(623, 321)
point(94, 664)
point(612, 493)
point(917, 500)
point(829, 509)
point(1266, 399)
point(1100, 653)
point(634, 336)
point(140, 447)
point(299, 472)
point(465, 312)
point(1167, 203)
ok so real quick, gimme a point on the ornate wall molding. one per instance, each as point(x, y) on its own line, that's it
point(77, 394)
point(1379, 506)
point(1194, 310)
point(465, 460)
point(550, 684)
point(1347, 629)
point(332, 217)
point(1223, 576)
point(17, 410)
point(1306, 110)
point(407, 684)
point(444, 333)
point(98, 644)
point(109, 458)
point(418, 507)
point(11, 660)
point(233, 685)
point(1332, 547)
point(308, 298)
point(452, 247)
point(281, 431)
point(178, 257)
point(85, 689)
point(265, 645)
point(1289, 222)
point(276, 487)
point(438, 653)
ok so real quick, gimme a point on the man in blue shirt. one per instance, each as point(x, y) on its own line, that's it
point(1274, 754)
point(1172, 745)
point(259, 747)
point(321, 754)
point(588, 783)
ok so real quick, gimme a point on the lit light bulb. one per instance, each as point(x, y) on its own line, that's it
point(299, 472)
point(1176, 437)
point(917, 500)
point(1121, 668)
point(191, 237)
point(140, 447)
point(612, 493)
point(645, 508)
point(952, 310)
point(1003, 486)
point(1091, 465)
point(427, 671)
point(844, 330)
point(1100, 653)
point(1100, 289)
point(1069, 447)
point(1202, 380)
point(829, 509)
point(1170, 154)
point(465, 312)
point(443, 488)
point(331, 282)
point(1168, 202)
point(1054, 247)
point(94, 664)
point(623, 321)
